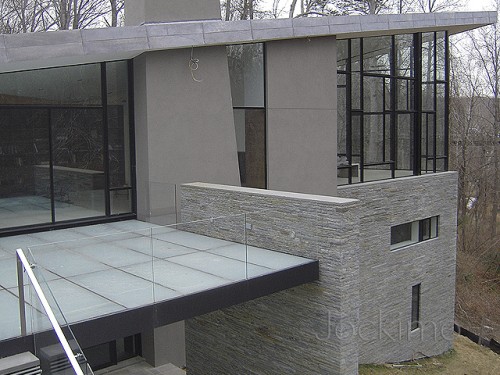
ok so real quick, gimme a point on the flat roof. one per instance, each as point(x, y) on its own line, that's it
point(137, 275)
point(60, 48)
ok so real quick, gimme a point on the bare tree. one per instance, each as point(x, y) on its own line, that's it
point(364, 6)
point(313, 8)
point(243, 10)
point(22, 16)
point(433, 6)
point(117, 7)
point(486, 53)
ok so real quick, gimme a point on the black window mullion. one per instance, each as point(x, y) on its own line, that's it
point(105, 140)
point(446, 99)
point(51, 170)
point(131, 130)
point(349, 109)
point(393, 108)
point(434, 100)
point(417, 129)
point(362, 117)
point(266, 148)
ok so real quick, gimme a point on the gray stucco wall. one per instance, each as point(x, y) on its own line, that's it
point(287, 332)
point(138, 12)
point(302, 115)
point(386, 277)
point(184, 129)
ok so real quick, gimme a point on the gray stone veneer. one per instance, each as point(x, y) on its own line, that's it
point(386, 277)
point(359, 310)
point(287, 332)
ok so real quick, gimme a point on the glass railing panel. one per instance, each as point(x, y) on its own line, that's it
point(54, 342)
point(199, 255)
point(163, 203)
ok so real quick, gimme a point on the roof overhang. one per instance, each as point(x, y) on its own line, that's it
point(60, 48)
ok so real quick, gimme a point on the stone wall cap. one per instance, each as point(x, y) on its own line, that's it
point(273, 193)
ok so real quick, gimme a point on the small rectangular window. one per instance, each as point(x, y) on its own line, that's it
point(425, 229)
point(428, 228)
point(414, 232)
point(404, 234)
point(415, 307)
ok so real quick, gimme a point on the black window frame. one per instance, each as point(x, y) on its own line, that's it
point(108, 216)
point(263, 108)
point(417, 149)
point(416, 297)
point(417, 234)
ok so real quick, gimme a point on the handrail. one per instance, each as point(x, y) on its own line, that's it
point(50, 313)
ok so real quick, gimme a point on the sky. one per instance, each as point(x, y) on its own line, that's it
point(469, 5)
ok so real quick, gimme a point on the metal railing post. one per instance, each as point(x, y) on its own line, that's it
point(50, 314)
point(22, 306)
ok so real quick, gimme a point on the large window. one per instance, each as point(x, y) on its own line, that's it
point(64, 144)
point(246, 69)
point(392, 100)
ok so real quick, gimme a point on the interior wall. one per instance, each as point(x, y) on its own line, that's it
point(302, 115)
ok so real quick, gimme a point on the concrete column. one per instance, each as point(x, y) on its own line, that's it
point(302, 115)
point(165, 345)
point(184, 127)
point(138, 12)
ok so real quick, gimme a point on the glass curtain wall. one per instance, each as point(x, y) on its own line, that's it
point(246, 71)
point(392, 100)
point(62, 131)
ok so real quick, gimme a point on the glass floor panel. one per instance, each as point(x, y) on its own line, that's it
point(133, 267)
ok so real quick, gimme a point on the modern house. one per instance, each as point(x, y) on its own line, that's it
point(323, 139)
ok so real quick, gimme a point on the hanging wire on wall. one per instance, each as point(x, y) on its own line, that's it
point(194, 64)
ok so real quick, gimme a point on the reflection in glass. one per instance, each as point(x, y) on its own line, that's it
point(342, 54)
point(405, 94)
point(440, 56)
point(374, 138)
point(355, 55)
point(440, 121)
point(427, 146)
point(428, 97)
point(405, 66)
point(428, 66)
point(77, 139)
point(386, 99)
point(52, 152)
point(246, 70)
point(71, 85)
point(24, 167)
point(120, 179)
point(377, 55)
point(251, 144)
point(404, 143)
point(374, 94)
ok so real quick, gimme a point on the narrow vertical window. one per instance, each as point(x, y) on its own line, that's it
point(415, 307)
point(246, 71)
